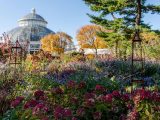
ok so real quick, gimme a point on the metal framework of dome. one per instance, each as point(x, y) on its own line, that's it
point(31, 28)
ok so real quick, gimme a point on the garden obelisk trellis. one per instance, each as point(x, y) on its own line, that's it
point(16, 55)
point(137, 52)
point(14, 51)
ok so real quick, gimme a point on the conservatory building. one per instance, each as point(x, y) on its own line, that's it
point(31, 28)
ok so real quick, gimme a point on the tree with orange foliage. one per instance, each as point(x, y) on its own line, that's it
point(87, 37)
point(55, 43)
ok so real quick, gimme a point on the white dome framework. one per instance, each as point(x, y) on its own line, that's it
point(31, 28)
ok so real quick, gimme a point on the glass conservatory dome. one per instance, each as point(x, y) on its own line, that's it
point(32, 19)
point(32, 27)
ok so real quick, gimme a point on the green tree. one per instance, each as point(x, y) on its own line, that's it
point(127, 17)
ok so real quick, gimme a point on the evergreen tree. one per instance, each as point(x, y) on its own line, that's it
point(127, 17)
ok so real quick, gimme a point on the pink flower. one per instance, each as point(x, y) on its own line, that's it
point(116, 93)
point(31, 103)
point(108, 98)
point(80, 112)
point(100, 88)
point(71, 84)
point(38, 94)
point(97, 115)
point(67, 112)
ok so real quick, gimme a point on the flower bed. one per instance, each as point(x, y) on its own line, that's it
point(74, 101)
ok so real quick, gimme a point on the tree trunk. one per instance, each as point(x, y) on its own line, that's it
point(139, 13)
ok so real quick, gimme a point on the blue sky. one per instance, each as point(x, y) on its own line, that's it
point(62, 15)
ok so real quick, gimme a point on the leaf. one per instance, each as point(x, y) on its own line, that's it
point(101, 107)
point(140, 107)
point(147, 112)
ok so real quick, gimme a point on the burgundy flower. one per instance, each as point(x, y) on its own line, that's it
point(58, 112)
point(20, 98)
point(74, 100)
point(101, 98)
point(125, 97)
point(57, 90)
point(74, 118)
point(29, 104)
point(108, 98)
point(45, 118)
point(129, 106)
point(145, 94)
point(89, 95)
point(136, 99)
point(42, 98)
point(15, 103)
point(71, 84)
point(100, 88)
point(80, 112)
point(155, 96)
point(81, 85)
point(67, 112)
point(116, 93)
point(122, 117)
point(97, 115)
point(38, 94)
point(90, 102)
point(40, 108)
point(133, 115)
point(156, 108)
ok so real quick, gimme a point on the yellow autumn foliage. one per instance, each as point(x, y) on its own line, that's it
point(55, 43)
point(87, 37)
